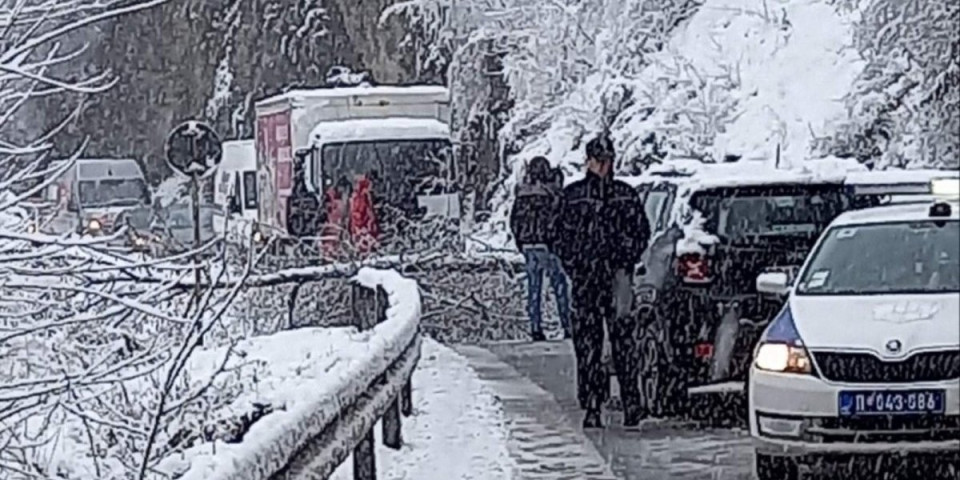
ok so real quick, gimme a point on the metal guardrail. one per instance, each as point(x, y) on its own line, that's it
point(388, 398)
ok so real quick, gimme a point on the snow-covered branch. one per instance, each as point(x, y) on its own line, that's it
point(93, 373)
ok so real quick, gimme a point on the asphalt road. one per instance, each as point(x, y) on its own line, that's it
point(536, 385)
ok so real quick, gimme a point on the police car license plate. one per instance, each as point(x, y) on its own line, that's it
point(900, 402)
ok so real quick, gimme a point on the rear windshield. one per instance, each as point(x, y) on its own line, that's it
point(750, 214)
point(889, 258)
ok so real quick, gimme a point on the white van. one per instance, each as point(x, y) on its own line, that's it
point(235, 191)
point(94, 195)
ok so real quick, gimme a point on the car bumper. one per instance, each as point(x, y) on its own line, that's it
point(798, 415)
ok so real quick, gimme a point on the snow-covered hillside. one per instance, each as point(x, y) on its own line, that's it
point(736, 79)
point(748, 78)
point(716, 80)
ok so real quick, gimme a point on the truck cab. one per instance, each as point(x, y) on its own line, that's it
point(310, 140)
point(411, 159)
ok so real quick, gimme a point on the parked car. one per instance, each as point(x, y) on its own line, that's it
point(715, 228)
point(173, 227)
point(864, 357)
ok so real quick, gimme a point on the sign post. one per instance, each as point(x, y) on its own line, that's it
point(194, 149)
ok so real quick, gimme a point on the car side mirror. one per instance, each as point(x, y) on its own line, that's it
point(774, 283)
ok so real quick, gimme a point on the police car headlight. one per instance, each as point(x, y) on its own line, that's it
point(781, 349)
point(94, 225)
point(780, 357)
point(139, 241)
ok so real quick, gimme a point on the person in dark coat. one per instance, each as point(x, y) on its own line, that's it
point(532, 223)
point(601, 233)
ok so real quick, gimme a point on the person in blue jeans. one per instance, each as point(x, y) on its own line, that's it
point(532, 223)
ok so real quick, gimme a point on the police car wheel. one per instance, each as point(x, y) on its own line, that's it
point(771, 467)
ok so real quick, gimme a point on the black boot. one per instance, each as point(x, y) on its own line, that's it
point(592, 419)
point(632, 418)
point(537, 336)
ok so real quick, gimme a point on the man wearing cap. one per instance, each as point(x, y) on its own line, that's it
point(601, 233)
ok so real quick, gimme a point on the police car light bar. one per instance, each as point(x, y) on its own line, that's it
point(890, 189)
point(945, 187)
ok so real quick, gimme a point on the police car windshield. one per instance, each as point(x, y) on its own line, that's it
point(887, 258)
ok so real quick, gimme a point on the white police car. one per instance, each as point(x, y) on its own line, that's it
point(863, 361)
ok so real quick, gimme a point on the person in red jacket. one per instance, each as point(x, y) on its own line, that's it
point(364, 229)
point(334, 231)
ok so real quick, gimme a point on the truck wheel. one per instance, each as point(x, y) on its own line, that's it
point(770, 467)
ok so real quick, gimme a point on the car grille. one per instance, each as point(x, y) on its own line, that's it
point(892, 428)
point(868, 368)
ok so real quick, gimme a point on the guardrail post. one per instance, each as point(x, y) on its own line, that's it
point(406, 398)
point(364, 459)
point(381, 304)
point(391, 425)
point(360, 303)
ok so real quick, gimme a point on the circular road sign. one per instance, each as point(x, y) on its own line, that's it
point(194, 149)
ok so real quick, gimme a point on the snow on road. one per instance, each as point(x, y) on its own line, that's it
point(456, 431)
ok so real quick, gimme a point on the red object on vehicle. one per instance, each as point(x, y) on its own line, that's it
point(703, 350)
point(364, 231)
point(693, 268)
point(334, 229)
point(275, 151)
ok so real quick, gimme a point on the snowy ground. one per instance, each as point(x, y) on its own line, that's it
point(307, 375)
point(291, 373)
point(456, 431)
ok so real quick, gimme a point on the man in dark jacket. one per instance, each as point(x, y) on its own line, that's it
point(532, 222)
point(601, 233)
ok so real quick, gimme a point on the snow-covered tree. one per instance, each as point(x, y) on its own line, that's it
point(95, 381)
point(904, 107)
point(569, 65)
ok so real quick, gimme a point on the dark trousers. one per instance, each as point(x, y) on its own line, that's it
point(593, 304)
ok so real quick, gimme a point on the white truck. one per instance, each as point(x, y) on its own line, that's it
point(307, 140)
